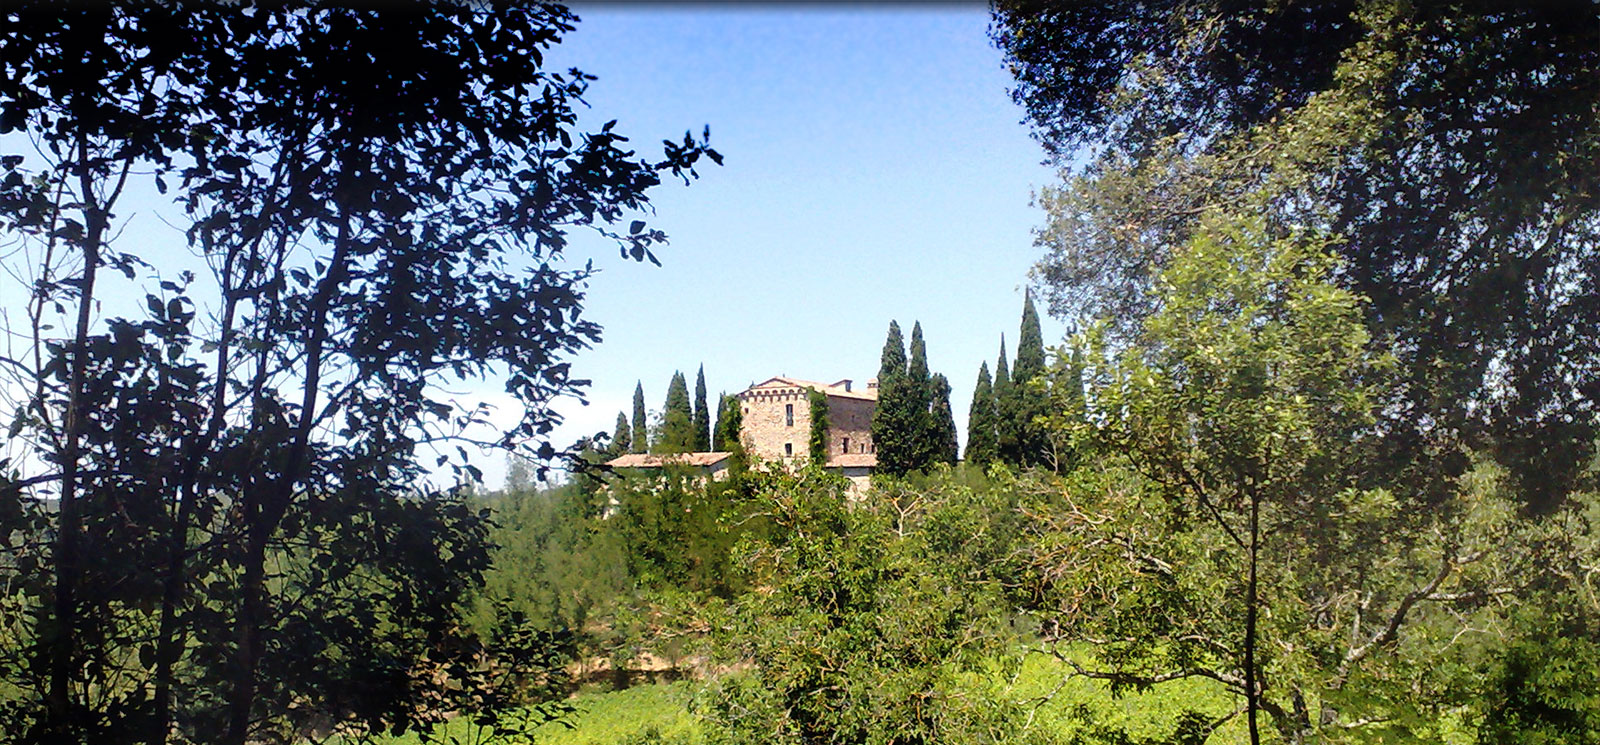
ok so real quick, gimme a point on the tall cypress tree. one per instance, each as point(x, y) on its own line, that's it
point(716, 421)
point(702, 416)
point(945, 445)
point(917, 367)
point(621, 437)
point(1002, 371)
point(981, 421)
point(677, 419)
point(1021, 440)
point(893, 362)
point(641, 428)
point(1030, 344)
point(895, 424)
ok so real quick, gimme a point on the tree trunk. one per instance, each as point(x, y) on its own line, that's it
point(1251, 676)
point(62, 637)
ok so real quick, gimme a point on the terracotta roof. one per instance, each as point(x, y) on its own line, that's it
point(853, 460)
point(836, 389)
point(654, 460)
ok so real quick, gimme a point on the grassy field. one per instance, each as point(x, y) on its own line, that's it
point(1071, 707)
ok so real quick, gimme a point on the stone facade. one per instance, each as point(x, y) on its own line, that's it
point(777, 418)
point(776, 429)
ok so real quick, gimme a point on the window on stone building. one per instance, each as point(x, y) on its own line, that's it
point(846, 447)
point(788, 414)
point(788, 448)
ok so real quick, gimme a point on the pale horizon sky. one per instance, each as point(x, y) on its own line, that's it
point(876, 169)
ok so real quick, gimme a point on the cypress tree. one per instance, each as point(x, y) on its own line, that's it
point(1030, 344)
point(907, 429)
point(621, 437)
point(895, 424)
point(893, 362)
point(677, 419)
point(981, 421)
point(917, 368)
point(1021, 440)
point(641, 428)
point(716, 421)
point(1002, 371)
point(702, 416)
point(945, 445)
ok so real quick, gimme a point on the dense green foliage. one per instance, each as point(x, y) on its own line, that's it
point(621, 437)
point(913, 427)
point(1452, 148)
point(219, 528)
point(677, 433)
point(982, 417)
point(817, 439)
point(729, 422)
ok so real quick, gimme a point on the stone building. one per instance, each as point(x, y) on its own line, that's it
point(776, 424)
point(777, 418)
point(776, 429)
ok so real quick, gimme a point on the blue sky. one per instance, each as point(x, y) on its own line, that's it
point(875, 169)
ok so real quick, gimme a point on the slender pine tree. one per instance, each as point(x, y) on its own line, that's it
point(677, 419)
point(702, 415)
point(641, 427)
point(981, 421)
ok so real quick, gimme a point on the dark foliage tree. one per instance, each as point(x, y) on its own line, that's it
point(946, 446)
point(240, 529)
point(893, 360)
point(621, 437)
point(641, 424)
point(702, 414)
point(1453, 148)
point(728, 423)
point(1020, 439)
point(817, 442)
point(905, 431)
point(677, 419)
point(982, 448)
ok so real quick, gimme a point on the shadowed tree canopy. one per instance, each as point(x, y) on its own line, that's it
point(1454, 149)
point(379, 205)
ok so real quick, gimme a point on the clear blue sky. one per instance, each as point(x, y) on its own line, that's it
point(875, 169)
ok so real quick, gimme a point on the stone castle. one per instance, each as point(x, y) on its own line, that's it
point(776, 428)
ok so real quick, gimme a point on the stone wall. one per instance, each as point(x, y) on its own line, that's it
point(777, 421)
point(773, 418)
